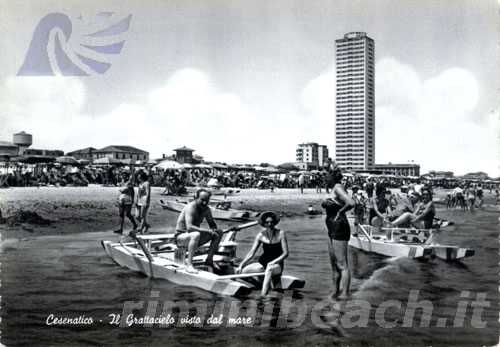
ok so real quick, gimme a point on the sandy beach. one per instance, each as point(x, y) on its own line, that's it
point(69, 210)
point(84, 209)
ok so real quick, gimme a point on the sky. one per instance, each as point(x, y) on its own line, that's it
point(246, 81)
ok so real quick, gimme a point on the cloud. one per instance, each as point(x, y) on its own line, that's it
point(318, 102)
point(188, 109)
point(433, 122)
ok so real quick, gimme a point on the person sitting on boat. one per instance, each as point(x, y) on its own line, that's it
point(380, 208)
point(359, 205)
point(275, 251)
point(422, 218)
point(189, 233)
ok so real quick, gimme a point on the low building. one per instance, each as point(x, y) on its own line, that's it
point(184, 155)
point(19, 147)
point(8, 149)
point(121, 152)
point(312, 154)
point(398, 169)
point(50, 153)
point(84, 153)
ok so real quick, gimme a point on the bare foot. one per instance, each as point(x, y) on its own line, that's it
point(190, 269)
point(333, 296)
point(343, 296)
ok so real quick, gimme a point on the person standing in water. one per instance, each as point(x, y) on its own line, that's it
point(339, 234)
point(125, 202)
point(143, 201)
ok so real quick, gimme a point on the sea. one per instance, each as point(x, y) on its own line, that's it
point(65, 291)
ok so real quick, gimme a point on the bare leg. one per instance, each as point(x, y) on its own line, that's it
point(194, 237)
point(335, 270)
point(214, 246)
point(122, 218)
point(131, 218)
point(271, 270)
point(144, 223)
point(406, 217)
point(344, 283)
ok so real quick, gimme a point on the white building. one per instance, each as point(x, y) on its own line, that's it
point(355, 104)
point(311, 154)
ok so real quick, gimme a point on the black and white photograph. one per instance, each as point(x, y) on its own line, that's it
point(250, 173)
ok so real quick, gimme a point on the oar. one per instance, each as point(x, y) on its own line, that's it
point(240, 227)
point(230, 277)
point(145, 251)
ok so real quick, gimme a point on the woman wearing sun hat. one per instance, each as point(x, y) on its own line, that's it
point(275, 251)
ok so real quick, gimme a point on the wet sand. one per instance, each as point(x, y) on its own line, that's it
point(94, 208)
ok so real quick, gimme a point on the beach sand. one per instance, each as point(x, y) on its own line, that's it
point(94, 208)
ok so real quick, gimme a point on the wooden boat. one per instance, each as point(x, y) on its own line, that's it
point(154, 256)
point(411, 243)
point(217, 212)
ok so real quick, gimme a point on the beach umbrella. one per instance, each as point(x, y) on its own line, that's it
point(34, 159)
point(83, 161)
point(106, 161)
point(213, 182)
point(218, 166)
point(127, 161)
point(288, 166)
point(65, 159)
point(271, 169)
point(203, 166)
point(168, 164)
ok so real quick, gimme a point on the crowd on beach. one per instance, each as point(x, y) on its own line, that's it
point(374, 200)
point(175, 180)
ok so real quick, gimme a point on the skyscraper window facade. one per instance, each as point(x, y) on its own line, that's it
point(355, 101)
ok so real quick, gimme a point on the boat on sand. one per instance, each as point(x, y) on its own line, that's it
point(220, 211)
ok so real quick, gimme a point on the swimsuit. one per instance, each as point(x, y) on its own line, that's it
point(271, 252)
point(337, 229)
point(382, 205)
point(142, 195)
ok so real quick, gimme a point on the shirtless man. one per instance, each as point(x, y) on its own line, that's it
point(190, 234)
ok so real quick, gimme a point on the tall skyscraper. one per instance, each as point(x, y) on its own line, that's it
point(355, 105)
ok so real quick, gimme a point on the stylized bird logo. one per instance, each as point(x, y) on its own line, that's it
point(50, 53)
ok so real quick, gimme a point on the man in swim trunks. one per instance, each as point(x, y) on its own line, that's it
point(189, 233)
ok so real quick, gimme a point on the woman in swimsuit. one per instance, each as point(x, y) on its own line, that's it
point(380, 209)
point(339, 234)
point(143, 201)
point(275, 251)
point(423, 218)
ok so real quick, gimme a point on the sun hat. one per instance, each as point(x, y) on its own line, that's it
point(267, 214)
